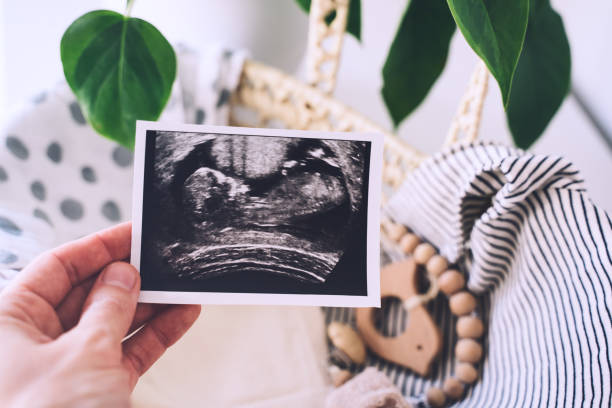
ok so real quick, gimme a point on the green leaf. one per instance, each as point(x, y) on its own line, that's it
point(417, 56)
point(304, 5)
point(542, 78)
point(353, 23)
point(121, 69)
point(495, 29)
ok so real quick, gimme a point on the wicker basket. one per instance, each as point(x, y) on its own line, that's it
point(275, 99)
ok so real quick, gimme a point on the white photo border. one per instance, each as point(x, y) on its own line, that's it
point(372, 299)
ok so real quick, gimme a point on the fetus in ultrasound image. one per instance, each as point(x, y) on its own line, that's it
point(263, 206)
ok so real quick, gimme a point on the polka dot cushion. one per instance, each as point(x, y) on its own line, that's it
point(59, 180)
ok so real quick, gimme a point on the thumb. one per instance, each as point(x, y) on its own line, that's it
point(111, 304)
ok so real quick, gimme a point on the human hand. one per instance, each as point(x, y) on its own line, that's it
point(63, 319)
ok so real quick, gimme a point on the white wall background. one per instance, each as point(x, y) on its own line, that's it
point(275, 32)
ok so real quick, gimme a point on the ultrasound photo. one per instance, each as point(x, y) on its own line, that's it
point(254, 213)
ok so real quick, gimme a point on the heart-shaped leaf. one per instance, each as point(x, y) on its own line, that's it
point(417, 56)
point(495, 29)
point(542, 77)
point(353, 20)
point(120, 68)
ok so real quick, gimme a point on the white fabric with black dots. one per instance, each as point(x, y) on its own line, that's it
point(59, 180)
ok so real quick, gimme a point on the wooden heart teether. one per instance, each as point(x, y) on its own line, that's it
point(399, 280)
point(419, 344)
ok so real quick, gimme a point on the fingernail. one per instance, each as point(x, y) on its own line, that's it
point(120, 274)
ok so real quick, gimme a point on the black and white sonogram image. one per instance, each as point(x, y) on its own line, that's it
point(253, 213)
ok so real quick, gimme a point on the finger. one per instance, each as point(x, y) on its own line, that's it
point(31, 312)
point(145, 347)
point(144, 313)
point(52, 275)
point(69, 311)
point(111, 303)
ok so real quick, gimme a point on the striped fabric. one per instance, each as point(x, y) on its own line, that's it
point(536, 252)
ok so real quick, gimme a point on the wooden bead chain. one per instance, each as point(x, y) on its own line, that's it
point(462, 303)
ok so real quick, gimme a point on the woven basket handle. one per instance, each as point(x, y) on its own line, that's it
point(325, 42)
point(466, 122)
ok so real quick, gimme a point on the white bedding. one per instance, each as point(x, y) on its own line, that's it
point(243, 356)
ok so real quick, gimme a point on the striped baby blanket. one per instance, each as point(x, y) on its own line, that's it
point(537, 253)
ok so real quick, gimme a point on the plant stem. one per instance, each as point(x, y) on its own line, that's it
point(128, 7)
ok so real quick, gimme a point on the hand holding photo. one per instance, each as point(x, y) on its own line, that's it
point(228, 215)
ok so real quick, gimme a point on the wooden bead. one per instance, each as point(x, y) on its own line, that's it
point(468, 351)
point(435, 397)
point(453, 388)
point(423, 253)
point(469, 327)
point(466, 373)
point(451, 281)
point(346, 339)
point(436, 265)
point(462, 303)
point(408, 243)
point(395, 231)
